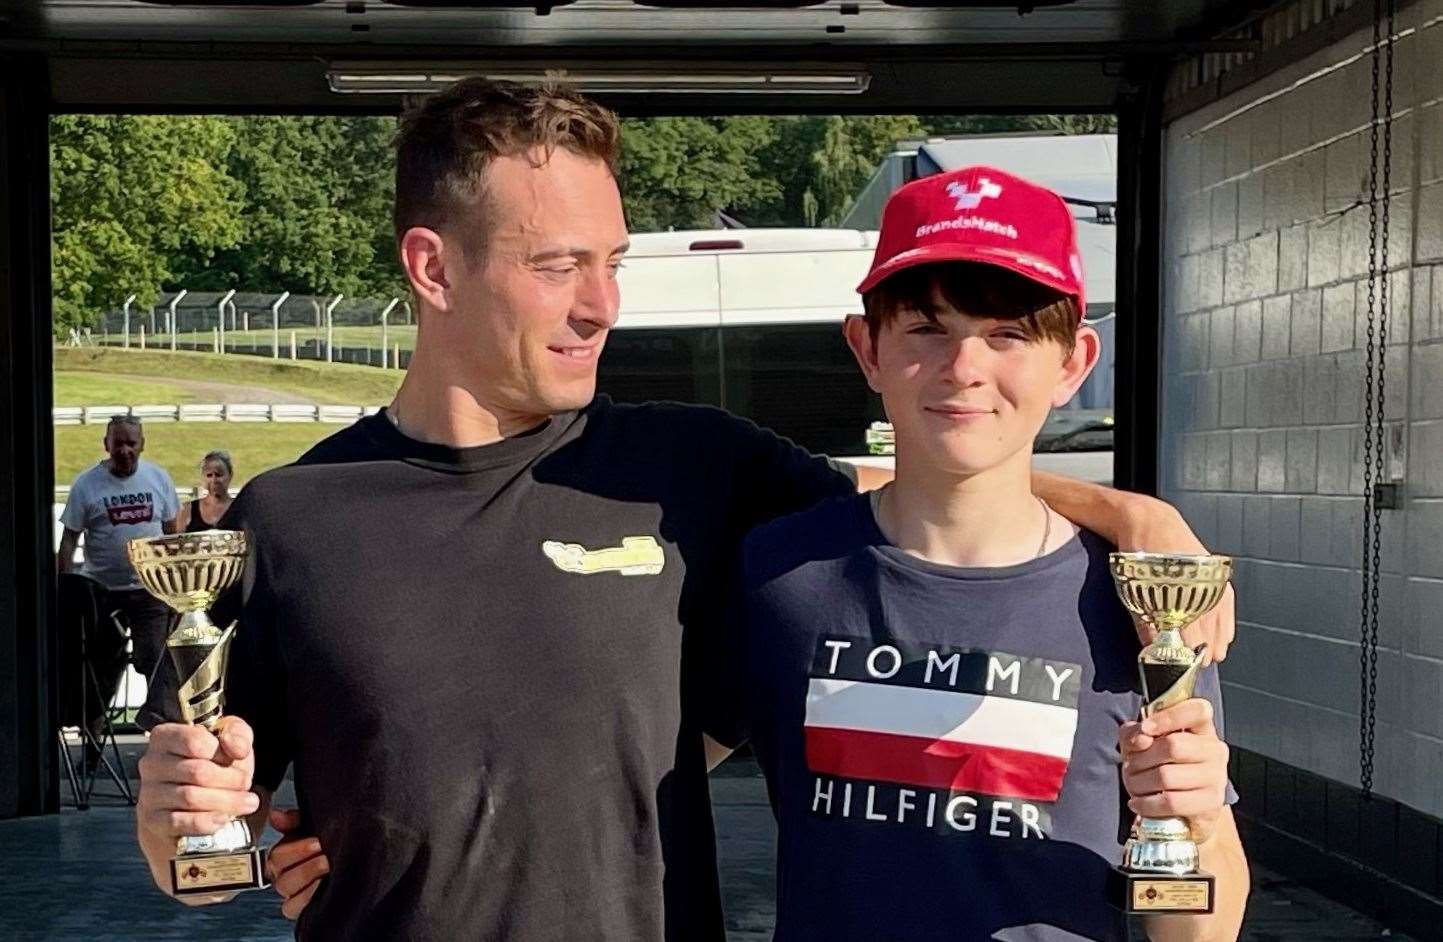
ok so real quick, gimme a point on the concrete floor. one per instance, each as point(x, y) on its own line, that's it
point(79, 875)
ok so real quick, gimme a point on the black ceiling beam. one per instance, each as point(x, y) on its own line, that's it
point(290, 86)
point(276, 78)
point(662, 51)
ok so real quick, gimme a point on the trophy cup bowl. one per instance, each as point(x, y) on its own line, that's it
point(188, 571)
point(1168, 591)
point(1160, 869)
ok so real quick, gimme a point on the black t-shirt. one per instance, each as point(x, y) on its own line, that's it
point(491, 667)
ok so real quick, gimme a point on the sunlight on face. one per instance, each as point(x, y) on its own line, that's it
point(968, 394)
point(535, 304)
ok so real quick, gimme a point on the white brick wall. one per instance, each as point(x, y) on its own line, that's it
point(1265, 325)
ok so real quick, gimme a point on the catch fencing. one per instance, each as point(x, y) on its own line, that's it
point(328, 328)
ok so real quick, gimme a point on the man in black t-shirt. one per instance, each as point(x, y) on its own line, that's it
point(490, 662)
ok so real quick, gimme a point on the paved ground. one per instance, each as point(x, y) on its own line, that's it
point(79, 875)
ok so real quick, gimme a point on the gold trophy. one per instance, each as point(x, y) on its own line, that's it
point(188, 571)
point(1159, 872)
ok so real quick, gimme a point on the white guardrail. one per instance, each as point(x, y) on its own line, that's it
point(213, 412)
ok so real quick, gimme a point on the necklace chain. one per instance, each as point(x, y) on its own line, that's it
point(1046, 527)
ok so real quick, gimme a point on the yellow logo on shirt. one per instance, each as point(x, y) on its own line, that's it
point(636, 556)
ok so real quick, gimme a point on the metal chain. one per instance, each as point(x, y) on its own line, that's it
point(1375, 382)
point(1384, 318)
point(1365, 708)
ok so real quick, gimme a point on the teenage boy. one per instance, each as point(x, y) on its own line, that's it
point(941, 686)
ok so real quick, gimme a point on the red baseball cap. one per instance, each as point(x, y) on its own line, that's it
point(980, 214)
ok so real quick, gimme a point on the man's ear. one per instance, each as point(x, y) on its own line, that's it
point(863, 346)
point(1077, 365)
point(425, 257)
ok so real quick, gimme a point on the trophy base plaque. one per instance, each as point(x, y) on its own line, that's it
point(1158, 894)
point(218, 872)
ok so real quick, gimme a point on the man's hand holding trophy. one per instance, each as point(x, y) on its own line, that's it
point(188, 571)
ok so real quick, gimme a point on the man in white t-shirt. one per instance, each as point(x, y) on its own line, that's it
point(119, 499)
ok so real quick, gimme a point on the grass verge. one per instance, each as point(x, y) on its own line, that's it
point(100, 389)
point(340, 383)
point(179, 446)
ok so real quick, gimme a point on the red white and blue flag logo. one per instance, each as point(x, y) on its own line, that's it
point(938, 717)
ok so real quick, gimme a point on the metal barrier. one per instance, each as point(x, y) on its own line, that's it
point(214, 412)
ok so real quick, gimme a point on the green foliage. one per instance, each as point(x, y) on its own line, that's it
point(136, 198)
point(150, 203)
point(850, 152)
point(765, 171)
point(316, 208)
point(786, 158)
point(677, 172)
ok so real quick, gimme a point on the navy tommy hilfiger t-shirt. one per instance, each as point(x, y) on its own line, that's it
point(940, 744)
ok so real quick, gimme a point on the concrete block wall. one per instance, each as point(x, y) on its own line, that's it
point(1265, 300)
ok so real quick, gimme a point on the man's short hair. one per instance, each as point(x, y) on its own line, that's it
point(127, 420)
point(978, 291)
point(445, 144)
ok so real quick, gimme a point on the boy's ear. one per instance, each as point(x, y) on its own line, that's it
point(864, 348)
point(1078, 364)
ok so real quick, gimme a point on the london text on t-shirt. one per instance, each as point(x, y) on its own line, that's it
point(129, 508)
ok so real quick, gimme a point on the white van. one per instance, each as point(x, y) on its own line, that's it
point(750, 320)
point(743, 276)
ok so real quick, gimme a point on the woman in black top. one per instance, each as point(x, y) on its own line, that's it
point(204, 513)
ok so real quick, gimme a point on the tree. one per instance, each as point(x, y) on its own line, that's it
point(850, 152)
point(787, 159)
point(677, 172)
point(318, 192)
point(135, 199)
point(801, 170)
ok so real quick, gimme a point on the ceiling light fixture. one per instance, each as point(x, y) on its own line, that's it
point(403, 78)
